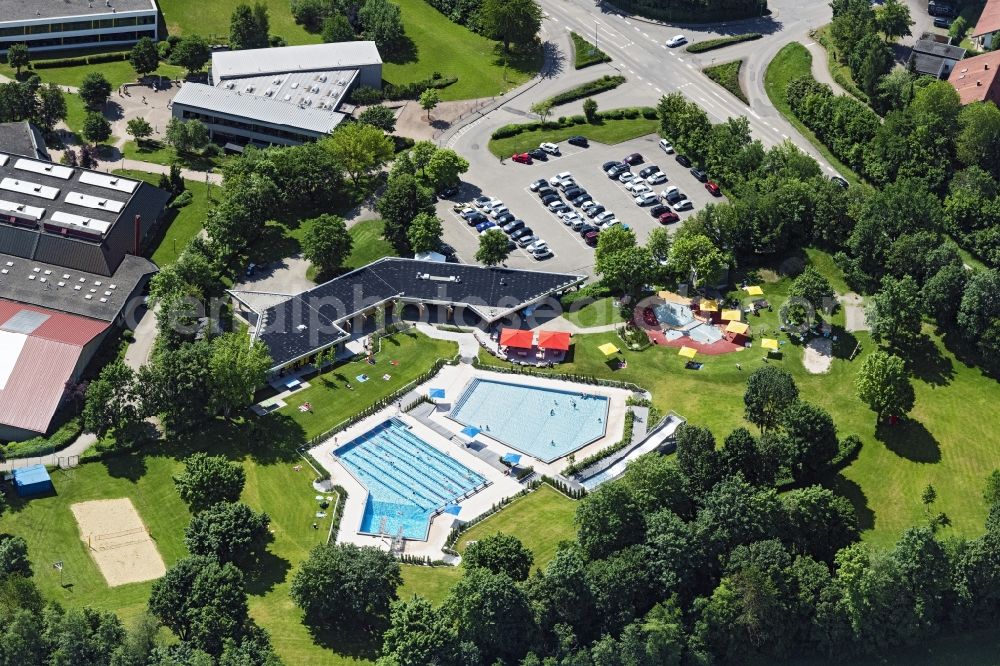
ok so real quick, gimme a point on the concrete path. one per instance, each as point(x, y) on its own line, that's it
point(137, 354)
point(821, 67)
point(82, 443)
point(468, 347)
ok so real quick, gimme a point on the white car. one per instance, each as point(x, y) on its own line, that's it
point(577, 224)
point(497, 212)
point(669, 192)
point(570, 218)
point(637, 186)
point(587, 205)
point(627, 177)
point(541, 253)
point(559, 177)
point(657, 178)
point(666, 146)
point(604, 217)
point(537, 245)
point(550, 148)
point(646, 199)
point(683, 204)
point(608, 224)
point(677, 40)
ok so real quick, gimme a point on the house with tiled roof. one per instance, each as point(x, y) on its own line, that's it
point(984, 35)
point(976, 79)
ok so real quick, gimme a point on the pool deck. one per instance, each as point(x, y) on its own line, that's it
point(454, 379)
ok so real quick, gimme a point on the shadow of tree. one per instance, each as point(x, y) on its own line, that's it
point(274, 245)
point(909, 439)
point(401, 52)
point(925, 361)
point(853, 493)
point(356, 642)
point(266, 573)
point(129, 465)
point(845, 343)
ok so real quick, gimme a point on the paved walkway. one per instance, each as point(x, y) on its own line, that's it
point(468, 347)
point(821, 67)
point(82, 443)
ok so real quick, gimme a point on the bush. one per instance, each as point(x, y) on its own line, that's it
point(37, 446)
point(602, 84)
point(712, 44)
point(365, 95)
point(182, 200)
point(95, 59)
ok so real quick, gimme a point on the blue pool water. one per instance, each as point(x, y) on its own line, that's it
point(544, 423)
point(407, 479)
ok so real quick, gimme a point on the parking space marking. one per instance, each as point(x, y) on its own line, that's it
point(475, 234)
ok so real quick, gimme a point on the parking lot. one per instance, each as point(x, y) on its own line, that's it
point(570, 253)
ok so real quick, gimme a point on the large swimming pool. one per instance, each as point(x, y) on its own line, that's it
point(408, 480)
point(544, 423)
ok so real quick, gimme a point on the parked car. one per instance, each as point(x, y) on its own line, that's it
point(539, 154)
point(473, 220)
point(521, 158)
point(935, 8)
point(646, 172)
point(568, 184)
point(448, 191)
point(677, 40)
point(538, 184)
point(659, 209)
point(573, 192)
point(467, 212)
point(521, 233)
point(545, 191)
point(578, 140)
point(480, 202)
point(537, 244)
point(492, 205)
point(497, 212)
point(595, 211)
point(541, 253)
point(569, 218)
point(485, 226)
point(671, 194)
point(634, 158)
point(637, 186)
point(657, 178)
point(616, 170)
point(587, 205)
point(683, 160)
point(586, 229)
point(646, 199)
point(549, 198)
point(550, 148)
point(683, 204)
point(608, 223)
point(942, 22)
point(555, 180)
point(699, 175)
point(526, 240)
point(582, 199)
point(578, 224)
point(558, 207)
point(606, 215)
point(668, 217)
point(841, 181)
point(513, 226)
point(666, 146)
point(626, 177)
point(713, 188)
point(591, 238)
point(504, 218)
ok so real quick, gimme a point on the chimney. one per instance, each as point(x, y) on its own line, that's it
point(979, 83)
point(986, 65)
point(138, 235)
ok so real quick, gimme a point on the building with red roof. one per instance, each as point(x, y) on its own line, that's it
point(976, 79)
point(42, 353)
point(984, 34)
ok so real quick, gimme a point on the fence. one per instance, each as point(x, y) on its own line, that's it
point(94, 541)
point(567, 376)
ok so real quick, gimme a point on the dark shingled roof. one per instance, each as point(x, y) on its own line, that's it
point(314, 319)
point(23, 139)
point(934, 58)
point(24, 10)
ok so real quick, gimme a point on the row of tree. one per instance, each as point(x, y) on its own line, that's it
point(379, 21)
point(862, 34)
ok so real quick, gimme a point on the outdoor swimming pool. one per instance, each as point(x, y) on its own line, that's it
point(544, 423)
point(408, 480)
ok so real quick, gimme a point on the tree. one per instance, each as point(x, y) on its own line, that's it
point(208, 480)
point(192, 53)
point(14, 557)
point(697, 458)
point(187, 136)
point(203, 601)
point(991, 490)
point(655, 482)
point(94, 91)
point(488, 609)
point(96, 128)
point(249, 28)
point(51, 107)
point(696, 256)
point(493, 248)
point(755, 459)
point(358, 149)
point(500, 553)
point(429, 99)
point(17, 57)
point(418, 634)
point(139, 129)
point(893, 19)
point(978, 140)
point(819, 521)
point(811, 438)
point(511, 21)
point(177, 385)
point(942, 294)
point(608, 520)
point(425, 233)
point(144, 57)
point(238, 366)
point(444, 168)
point(111, 402)
point(310, 14)
point(82, 636)
point(658, 243)
point(812, 286)
point(980, 304)
point(382, 22)
point(403, 199)
point(337, 29)
point(626, 271)
point(894, 313)
point(870, 60)
point(228, 532)
point(343, 585)
point(883, 385)
point(542, 109)
point(769, 392)
point(379, 116)
point(590, 110)
point(326, 243)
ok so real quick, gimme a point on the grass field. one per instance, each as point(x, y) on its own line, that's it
point(116, 73)
point(607, 132)
point(540, 519)
point(159, 153)
point(184, 226)
point(368, 244)
point(210, 19)
point(598, 313)
point(585, 53)
point(439, 45)
point(727, 75)
point(793, 61)
point(333, 402)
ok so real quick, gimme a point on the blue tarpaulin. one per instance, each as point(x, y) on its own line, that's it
point(471, 431)
point(436, 394)
point(31, 481)
point(512, 458)
point(453, 509)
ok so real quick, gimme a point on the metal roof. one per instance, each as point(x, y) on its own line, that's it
point(261, 109)
point(286, 59)
point(23, 138)
point(24, 10)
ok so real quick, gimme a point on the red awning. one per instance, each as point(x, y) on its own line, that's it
point(512, 337)
point(556, 340)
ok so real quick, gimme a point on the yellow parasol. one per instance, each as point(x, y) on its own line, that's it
point(737, 327)
point(755, 291)
point(687, 352)
point(769, 343)
point(732, 315)
point(608, 349)
point(708, 306)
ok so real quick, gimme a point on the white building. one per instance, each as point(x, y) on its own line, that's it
point(51, 25)
point(284, 95)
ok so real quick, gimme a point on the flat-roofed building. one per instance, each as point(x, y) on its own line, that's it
point(51, 25)
point(283, 96)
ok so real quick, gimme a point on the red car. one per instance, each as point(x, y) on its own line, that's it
point(668, 217)
point(523, 158)
point(591, 238)
point(713, 188)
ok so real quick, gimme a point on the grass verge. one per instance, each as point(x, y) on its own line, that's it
point(211, 19)
point(727, 75)
point(587, 89)
point(368, 244)
point(607, 131)
point(117, 73)
point(712, 44)
point(791, 62)
point(160, 153)
point(601, 312)
point(586, 54)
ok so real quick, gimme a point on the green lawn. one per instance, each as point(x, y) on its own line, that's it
point(541, 520)
point(333, 402)
point(368, 244)
point(183, 226)
point(585, 53)
point(439, 45)
point(607, 132)
point(116, 73)
point(727, 75)
point(793, 61)
point(159, 153)
point(598, 313)
point(212, 19)
point(76, 113)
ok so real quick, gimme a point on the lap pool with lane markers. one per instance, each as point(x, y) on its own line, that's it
point(544, 423)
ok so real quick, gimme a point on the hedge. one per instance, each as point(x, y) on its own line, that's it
point(586, 54)
point(95, 59)
point(41, 446)
point(693, 11)
point(600, 85)
point(508, 131)
point(712, 44)
point(367, 95)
